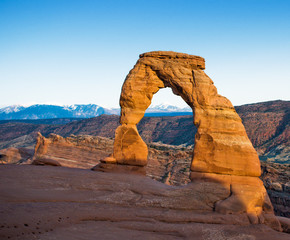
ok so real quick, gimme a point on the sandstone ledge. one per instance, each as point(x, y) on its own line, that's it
point(43, 202)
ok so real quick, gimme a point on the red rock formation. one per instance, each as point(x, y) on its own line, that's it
point(166, 163)
point(268, 127)
point(221, 142)
point(10, 155)
point(223, 153)
point(74, 151)
point(15, 155)
point(225, 166)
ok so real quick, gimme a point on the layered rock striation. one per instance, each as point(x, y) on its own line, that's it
point(74, 151)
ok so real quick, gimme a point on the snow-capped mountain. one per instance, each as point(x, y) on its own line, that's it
point(44, 111)
point(164, 107)
point(11, 109)
point(85, 111)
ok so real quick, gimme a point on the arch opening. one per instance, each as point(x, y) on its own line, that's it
point(169, 134)
point(166, 97)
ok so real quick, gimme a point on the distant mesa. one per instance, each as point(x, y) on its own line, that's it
point(222, 152)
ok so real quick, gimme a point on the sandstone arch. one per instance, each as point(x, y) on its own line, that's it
point(221, 143)
point(225, 166)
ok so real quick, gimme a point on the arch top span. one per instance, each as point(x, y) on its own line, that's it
point(221, 143)
point(199, 61)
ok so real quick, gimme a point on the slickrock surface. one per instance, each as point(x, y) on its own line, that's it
point(44, 202)
point(166, 163)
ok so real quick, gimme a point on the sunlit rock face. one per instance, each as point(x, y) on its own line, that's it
point(221, 143)
point(223, 154)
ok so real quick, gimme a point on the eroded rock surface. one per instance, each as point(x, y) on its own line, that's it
point(74, 151)
point(221, 143)
point(43, 202)
point(166, 163)
point(15, 155)
point(222, 154)
point(268, 127)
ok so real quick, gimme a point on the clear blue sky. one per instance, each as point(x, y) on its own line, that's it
point(76, 51)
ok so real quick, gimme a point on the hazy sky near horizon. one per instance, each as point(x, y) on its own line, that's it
point(79, 52)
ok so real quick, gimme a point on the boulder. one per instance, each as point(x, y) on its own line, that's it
point(9, 155)
point(14, 155)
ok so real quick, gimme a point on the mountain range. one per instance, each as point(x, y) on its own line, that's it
point(43, 111)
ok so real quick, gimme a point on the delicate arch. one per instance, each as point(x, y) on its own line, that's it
point(221, 143)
